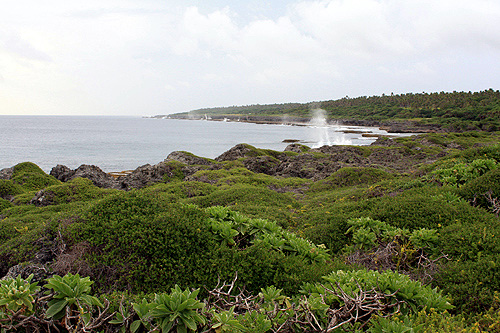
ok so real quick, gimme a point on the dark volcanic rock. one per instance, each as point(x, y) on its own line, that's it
point(62, 173)
point(146, 175)
point(302, 166)
point(40, 272)
point(236, 152)
point(187, 158)
point(261, 164)
point(92, 172)
point(297, 148)
point(6, 173)
point(42, 198)
point(96, 175)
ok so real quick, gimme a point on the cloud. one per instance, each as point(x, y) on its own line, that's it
point(174, 56)
point(18, 47)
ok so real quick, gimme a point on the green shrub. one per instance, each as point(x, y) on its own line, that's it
point(412, 295)
point(175, 172)
point(421, 210)
point(17, 295)
point(141, 244)
point(243, 194)
point(78, 189)
point(27, 167)
point(4, 204)
point(31, 178)
point(479, 189)
point(8, 189)
point(462, 173)
point(471, 283)
point(351, 176)
point(71, 297)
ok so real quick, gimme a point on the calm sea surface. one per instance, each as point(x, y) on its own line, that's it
point(124, 143)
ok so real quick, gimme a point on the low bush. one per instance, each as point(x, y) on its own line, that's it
point(4, 204)
point(483, 190)
point(142, 245)
point(351, 176)
point(243, 194)
point(9, 189)
point(30, 177)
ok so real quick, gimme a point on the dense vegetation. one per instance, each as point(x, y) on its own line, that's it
point(454, 111)
point(373, 248)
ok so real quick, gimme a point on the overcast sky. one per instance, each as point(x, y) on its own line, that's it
point(147, 57)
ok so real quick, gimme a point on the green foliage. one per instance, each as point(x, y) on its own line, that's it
point(228, 225)
point(27, 167)
point(8, 188)
point(483, 190)
point(243, 194)
point(412, 295)
point(17, 294)
point(70, 291)
point(225, 321)
point(256, 322)
point(368, 233)
point(4, 204)
point(393, 325)
point(175, 172)
point(351, 176)
point(31, 178)
point(462, 173)
point(175, 191)
point(457, 111)
point(179, 309)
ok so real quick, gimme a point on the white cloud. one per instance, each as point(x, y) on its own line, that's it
point(101, 55)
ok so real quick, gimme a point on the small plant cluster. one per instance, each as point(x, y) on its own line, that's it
point(461, 173)
point(378, 245)
point(67, 304)
point(234, 229)
point(347, 300)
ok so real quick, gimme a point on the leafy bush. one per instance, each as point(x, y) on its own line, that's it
point(179, 309)
point(234, 229)
point(8, 189)
point(30, 177)
point(351, 176)
point(17, 294)
point(242, 194)
point(71, 298)
point(27, 167)
point(462, 173)
point(140, 243)
point(4, 204)
point(482, 188)
point(411, 295)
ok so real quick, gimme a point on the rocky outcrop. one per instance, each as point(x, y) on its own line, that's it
point(40, 272)
point(42, 198)
point(142, 176)
point(147, 175)
point(92, 172)
point(238, 151)
point(262, 164)
point(6, 173)
point(62, 173)
point(187, 158)
point(310, 163)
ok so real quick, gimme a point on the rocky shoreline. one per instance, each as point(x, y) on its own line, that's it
point(295, 161)
point(389, 126)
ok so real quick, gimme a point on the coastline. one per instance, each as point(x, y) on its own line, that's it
point(389, 126)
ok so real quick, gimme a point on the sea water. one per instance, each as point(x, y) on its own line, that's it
point(125, 143)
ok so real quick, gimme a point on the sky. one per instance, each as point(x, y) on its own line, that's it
point(149, 57)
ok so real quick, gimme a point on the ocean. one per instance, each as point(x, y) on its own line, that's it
point(125, 143)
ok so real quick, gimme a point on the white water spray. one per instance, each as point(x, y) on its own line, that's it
point(320, 126)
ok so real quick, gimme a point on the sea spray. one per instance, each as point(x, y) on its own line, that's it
point(320, 128)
